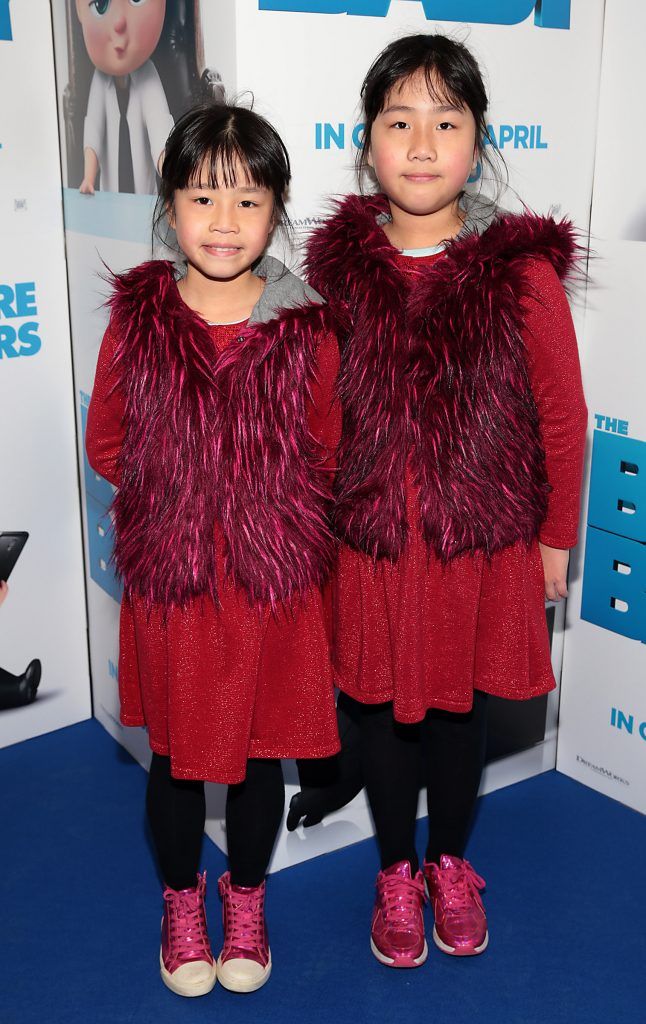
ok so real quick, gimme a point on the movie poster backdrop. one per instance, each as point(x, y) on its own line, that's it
point(301, 64)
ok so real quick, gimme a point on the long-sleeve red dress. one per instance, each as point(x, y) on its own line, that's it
point(425, 635)
point(217, 686)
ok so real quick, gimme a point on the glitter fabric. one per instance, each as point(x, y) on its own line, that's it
point(424, 635)
point(217, 686)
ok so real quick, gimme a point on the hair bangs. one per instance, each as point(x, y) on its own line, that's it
point(437, 87)
point(440, 91)
point(224, 164)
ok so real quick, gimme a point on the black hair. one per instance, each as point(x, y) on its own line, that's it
point(208, 142)
point(451, 73)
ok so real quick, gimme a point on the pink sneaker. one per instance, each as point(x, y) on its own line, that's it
point(244, 964)
point(397, 935)
point(460, 919)
point(186, 961)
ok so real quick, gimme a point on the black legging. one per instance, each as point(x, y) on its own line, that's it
point(446, 753)
point(177, 813)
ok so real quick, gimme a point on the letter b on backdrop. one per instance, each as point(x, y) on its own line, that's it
point(614, 582)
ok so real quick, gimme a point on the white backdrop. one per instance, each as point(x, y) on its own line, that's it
point(304, 68)
point(602, 735)
point(44, 615)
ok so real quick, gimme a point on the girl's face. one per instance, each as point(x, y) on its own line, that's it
point(120, 35)
point(422, 149)
point(223, 231)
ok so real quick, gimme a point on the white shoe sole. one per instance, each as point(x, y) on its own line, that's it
point(453, 951)
point(185, 989)
point(240, 984)
point(389, 962)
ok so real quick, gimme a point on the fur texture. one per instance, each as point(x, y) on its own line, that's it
point(216, 438)
point(436, 371)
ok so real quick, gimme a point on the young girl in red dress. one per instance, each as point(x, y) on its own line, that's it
point(213, 415)
point(459, 471)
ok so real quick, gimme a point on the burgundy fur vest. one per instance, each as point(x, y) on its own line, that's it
point(216, 439)
point(435, 371)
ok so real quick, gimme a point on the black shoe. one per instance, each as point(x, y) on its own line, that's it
point(17, 691)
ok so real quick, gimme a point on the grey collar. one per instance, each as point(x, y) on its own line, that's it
point(283, 290)
point(479, 211)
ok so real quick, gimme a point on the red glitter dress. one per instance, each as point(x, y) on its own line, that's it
point(423, 635)
point(215, 687)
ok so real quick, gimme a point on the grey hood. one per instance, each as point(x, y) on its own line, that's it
point(480, 214)
point(283, 290)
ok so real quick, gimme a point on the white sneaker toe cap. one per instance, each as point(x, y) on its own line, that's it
point(195, 978)
point(242, 975)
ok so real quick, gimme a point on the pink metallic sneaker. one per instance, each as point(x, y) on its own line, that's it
point(397, 935)
point(186, 961)
point(244, 964)
point(460, 919)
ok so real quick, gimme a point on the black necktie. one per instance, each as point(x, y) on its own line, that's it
point(126, 174)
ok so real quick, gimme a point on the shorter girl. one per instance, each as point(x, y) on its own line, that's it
point(459, 471)
point(213, 415)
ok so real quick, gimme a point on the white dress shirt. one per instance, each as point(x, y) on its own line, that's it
point(149, 121)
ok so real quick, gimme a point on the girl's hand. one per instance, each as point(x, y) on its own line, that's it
point(555, 563)
point(86, 188)
point(4, 590)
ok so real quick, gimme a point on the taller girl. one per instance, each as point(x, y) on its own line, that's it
point(459, 471)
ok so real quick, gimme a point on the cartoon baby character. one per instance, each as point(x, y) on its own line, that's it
point(128, 119)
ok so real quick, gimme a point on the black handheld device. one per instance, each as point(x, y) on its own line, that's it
point(11, 544)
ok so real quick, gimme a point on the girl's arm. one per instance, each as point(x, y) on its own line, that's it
point(324, 409)
point(324, 421)
point(555, 374)
point(105, 419)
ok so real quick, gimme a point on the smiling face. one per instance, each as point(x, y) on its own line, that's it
point(222, 231)
point(120, 35)
point(422, 149)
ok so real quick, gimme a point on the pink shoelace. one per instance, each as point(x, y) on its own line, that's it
point(188, 934)
point(245, 923)
point(460, 887)
point(400, 898)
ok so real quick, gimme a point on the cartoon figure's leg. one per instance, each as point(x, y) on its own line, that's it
point(16, 691)
point(330, 783)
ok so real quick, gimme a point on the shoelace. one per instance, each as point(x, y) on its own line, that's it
point(461, 886)
point(400, 898)
point(245, 921)
point(187, 923)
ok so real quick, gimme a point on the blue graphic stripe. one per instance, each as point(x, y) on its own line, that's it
point(5, 21)
point(109, 215)
point(547, 13)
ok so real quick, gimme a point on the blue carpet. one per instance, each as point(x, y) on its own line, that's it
point(80, 910)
